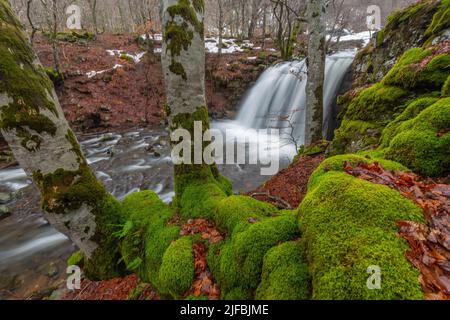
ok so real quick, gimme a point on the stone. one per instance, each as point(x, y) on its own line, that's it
point(5, 198)
point(4, 212)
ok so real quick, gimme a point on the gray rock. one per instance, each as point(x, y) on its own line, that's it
point(4, 212)
point(5, 198)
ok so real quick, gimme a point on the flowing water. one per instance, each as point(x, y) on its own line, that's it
point(30, 249)
point(280, 91)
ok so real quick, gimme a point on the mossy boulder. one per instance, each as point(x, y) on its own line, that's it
point(404, 30)
point(423, 142)
point(413, 72)
point(348, 225)
point(75, 36)
point(366, 115)
point(285, 274)
point(237, 264)
point(177, 268)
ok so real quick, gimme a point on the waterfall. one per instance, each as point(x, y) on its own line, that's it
point(281, 92)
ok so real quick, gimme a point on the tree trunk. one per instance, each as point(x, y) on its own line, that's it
point(316, 72)
point(33, 124)
point(183, 60)
point(219, 3)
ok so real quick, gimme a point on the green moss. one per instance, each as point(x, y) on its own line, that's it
point(419, 143)
point(74, 36)
point(446, 88)
point(25, 82)
point(146, 234)
point(336, 163)
point(188, 11)
point(177, 35)
point(177, 269)
point(195, 174)
point(412, 111)
point(314, 149)
point(126, 57)
point(348, 225)
point(200, 200)
point(354, 135)
point(105, 262)
point(76, 259)
point(410, 74)
point(236, 210)
point(237, 265)
point(441, 20)
point(285, 273)
point(376, 103)
point(56, 77)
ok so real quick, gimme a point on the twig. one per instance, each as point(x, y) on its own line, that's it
point(282, 204)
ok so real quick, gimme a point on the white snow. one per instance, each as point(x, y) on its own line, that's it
point(230, 45)
point(365, 36)
point(92, 74)
point(136, 57)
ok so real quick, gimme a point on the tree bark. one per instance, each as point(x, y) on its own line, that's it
point(33, 124)
point(183, 61)
point(316, 72)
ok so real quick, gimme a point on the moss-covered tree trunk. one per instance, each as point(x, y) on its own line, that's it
point(183, 61)
point(33, 124)
point(316, 72)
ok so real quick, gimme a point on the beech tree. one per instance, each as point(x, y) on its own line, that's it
point(316, 71)
point(33, 124)
point(183, 60)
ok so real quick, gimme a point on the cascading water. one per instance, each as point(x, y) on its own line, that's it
point(281, 92)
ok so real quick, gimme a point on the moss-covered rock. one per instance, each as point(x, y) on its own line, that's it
point(405, 29)
point(236, 210)
point(412, 73)
point(349, 225)
point(423, 143)
point(285, 273)
point(177, 269)
point(237, 263)
point(365, 117)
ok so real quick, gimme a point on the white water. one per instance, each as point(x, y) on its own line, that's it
point(280, 92)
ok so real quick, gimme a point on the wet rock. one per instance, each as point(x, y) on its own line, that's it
point(5, 198)
point(4, 212)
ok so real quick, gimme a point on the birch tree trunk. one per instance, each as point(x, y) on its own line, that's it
point(316, 72)
point(183, 60)
point(33, 124)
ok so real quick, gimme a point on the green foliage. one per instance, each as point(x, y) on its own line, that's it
point(285, 273)
point(419, 144)
point(349, 224)
point(408, 72)
point(177, 269)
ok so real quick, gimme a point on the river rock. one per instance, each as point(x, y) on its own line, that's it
point(4, 212)
point(5, 198)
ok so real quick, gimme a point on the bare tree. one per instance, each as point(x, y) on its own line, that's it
point(316, 71)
